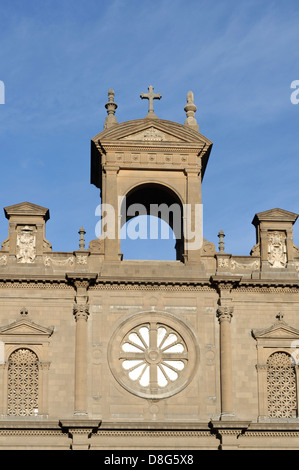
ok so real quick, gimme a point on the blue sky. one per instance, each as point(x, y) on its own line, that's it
point(59, 58)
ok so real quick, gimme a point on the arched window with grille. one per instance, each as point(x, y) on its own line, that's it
point(23, 383)
point(281, 386)
point(277, 371)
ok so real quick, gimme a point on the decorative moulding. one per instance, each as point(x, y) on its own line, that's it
point(25, 327)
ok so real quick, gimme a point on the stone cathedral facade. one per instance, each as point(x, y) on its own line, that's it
point(100, 352)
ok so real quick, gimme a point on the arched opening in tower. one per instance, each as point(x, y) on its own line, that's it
point(152, 223)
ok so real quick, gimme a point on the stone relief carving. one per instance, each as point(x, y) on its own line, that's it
point(296, 251)
point(96, 245)
point(26, 249)
point(208, 248)
point(256, 250)
point(5, 245)
point(235, 265)
point(3, 260)
point(277, 249)
point(59, 262)
point(81, 259)
point(152, 135)
point(223, 263)
point(47, 245)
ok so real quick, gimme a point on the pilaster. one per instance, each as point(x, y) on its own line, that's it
point(81, 283)
point(224, 285)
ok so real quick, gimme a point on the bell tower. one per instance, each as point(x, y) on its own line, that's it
point(147, 165)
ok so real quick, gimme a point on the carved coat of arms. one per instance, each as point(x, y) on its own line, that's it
point(26, 241)
point(277, 256)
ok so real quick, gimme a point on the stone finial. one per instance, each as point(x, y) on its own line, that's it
point(280, 316)
point(24, 311)
point(111, 107)
point(151, 96)
point(82, 239)
point(190, 110)
point(221, 236)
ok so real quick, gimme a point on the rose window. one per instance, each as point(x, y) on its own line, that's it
point(153, 359)
point(153, 355)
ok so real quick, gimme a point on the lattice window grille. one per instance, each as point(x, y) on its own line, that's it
point(281, 386)
point(23, 383)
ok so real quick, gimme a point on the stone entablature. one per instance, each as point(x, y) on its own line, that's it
point(148, 144)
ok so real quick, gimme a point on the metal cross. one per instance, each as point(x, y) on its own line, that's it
point(151, 96)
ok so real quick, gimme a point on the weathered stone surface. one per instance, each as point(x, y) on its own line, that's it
point(148, 354)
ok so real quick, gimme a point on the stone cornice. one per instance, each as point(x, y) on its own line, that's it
point(153, 425)
point(152, 146)
point(96, 281)
point(88, 278)
point(268, 285)
point(132, 128)
point(26, 209)
point(71, 424)
point(33, 281)
point(152, 283)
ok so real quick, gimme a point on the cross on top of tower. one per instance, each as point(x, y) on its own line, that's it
point(151, 96)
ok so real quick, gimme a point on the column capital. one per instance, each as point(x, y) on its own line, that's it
point(81, 311)
point(225, 313)
point(45, 365)
point(260, 367)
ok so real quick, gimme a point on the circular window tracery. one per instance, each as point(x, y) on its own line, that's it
point(153, 358)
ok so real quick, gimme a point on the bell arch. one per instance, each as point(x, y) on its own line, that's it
point(150, 151)
point(155, 199)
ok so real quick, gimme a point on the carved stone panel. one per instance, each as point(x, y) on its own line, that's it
point(277, 249)
point(152, 134)
point(26, 245)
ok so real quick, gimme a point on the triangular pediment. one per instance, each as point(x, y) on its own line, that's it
point(26, 209)
point(25, 327)
point(279, 215)
point(279, 330)
point(152, 134)
point(151, 130)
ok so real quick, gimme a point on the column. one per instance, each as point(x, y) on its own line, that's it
point(264, 248)
point(224, 315)
point(262, 391)
point(296, 366)
point(81, 315)
point(193, 228)
point(81, 282)
point(43, 388)
point(3, 387)
point(110, 221)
